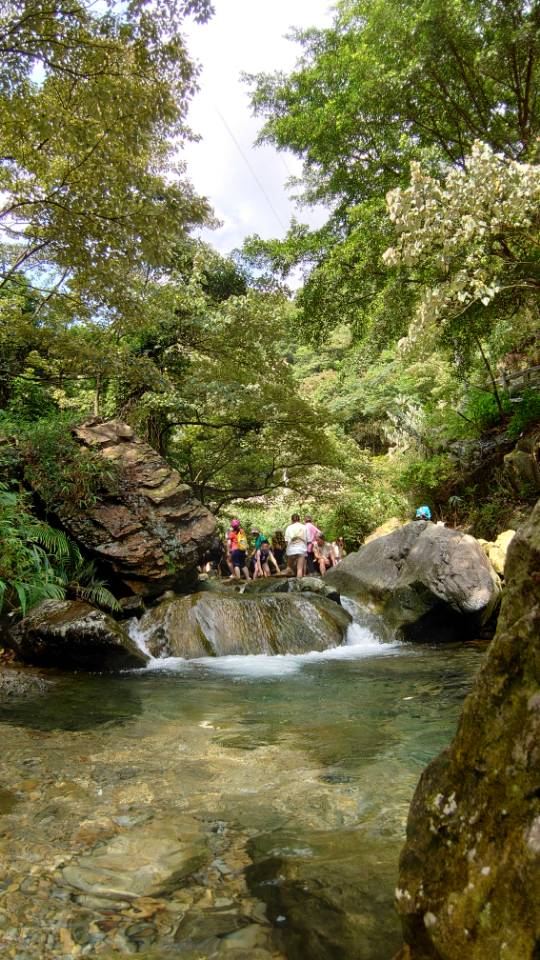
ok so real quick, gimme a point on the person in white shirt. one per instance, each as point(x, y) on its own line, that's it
point(296, 539)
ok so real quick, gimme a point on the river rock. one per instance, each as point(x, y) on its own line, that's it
point(469, 883)
point(214, 625)
point(151, 532)
point(496, 550)
point(73, 635)
point(147, 861)
point(427, 582)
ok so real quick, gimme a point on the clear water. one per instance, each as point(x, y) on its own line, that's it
point(308, 761)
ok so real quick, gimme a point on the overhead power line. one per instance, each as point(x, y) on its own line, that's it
point(251, 170)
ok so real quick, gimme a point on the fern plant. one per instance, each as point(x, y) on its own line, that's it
point(28, 549)
point(81, 580)
point(40, 563)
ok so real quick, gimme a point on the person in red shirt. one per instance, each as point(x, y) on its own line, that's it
point(237, 540)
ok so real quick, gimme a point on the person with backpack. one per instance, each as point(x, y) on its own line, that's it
point(238, 544)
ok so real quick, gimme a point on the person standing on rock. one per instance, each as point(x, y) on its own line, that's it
point(238, 544)
point(296, 539)
point(312, 533)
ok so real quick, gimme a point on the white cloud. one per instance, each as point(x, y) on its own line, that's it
point(244, 184)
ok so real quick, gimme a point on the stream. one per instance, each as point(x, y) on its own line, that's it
point(296, 773)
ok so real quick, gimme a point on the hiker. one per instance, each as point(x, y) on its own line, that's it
point(238, 545)
point(296, 539)
point(423, 513)
point(312, 533)
point(264, 557)
point(323, 554)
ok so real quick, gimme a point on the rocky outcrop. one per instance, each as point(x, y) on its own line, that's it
point(152, 532)
point(521, 466)
point(469, 884)
point(213, 625)
point(496, 550)
point(73, 635)
point(427, 582)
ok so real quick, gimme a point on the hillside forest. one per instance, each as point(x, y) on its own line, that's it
point(404, 368)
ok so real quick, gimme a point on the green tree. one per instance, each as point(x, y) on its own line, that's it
point(91, 101)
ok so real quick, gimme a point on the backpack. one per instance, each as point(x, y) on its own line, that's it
point(241, 540)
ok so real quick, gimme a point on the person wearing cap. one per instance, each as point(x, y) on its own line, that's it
point(237, 540)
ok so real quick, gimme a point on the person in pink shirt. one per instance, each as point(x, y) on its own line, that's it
point(312, 533)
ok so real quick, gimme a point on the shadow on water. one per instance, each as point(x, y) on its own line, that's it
point(76, 703)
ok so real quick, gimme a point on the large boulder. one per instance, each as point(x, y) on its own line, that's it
point(427, 582)
point(73, 635)
point(151, 532)
point(469, 883)
point(213, 625)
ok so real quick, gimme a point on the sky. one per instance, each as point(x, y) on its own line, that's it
point(246, 185)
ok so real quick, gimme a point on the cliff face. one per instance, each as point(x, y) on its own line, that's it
point(469, 884)
point(153, 531)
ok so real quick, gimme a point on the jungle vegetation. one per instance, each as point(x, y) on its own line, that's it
point(375, 386)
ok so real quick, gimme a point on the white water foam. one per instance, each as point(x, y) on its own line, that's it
point(360, 643)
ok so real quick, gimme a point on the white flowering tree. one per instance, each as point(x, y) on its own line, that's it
point(474, 241)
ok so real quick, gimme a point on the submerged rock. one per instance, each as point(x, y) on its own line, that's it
point(211, 624)
point(469, 884)
point(146, 861)
point(73, 635)
point(152, 532)
point(317, 897)
point(427, 582)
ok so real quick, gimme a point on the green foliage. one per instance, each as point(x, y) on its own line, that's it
point(27, 547)
point(93, 97)
point(62, 472)
point(526, 413)
point(483, 411)
point(422, 478)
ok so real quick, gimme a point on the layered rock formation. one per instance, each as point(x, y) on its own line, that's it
point(152, 532)
point(469, 884)
point(210, 624)
point(426, 582)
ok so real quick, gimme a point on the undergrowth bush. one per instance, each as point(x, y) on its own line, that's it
point(60, 470)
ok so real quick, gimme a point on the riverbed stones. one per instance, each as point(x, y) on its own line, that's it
point(147, 861)
point(428, 583)
point(73, 635)
point(211, 624)
point(150, 532)
point(469, 883)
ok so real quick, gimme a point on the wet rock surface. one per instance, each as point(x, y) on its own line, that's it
point(151, 532)
point(211, 624)
point(427, 582)
point(73, 635)
point(469, 882)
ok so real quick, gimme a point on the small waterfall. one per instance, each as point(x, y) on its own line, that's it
point(140, 638)
point(268, 637)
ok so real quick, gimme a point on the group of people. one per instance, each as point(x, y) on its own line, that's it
point(302, 549)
